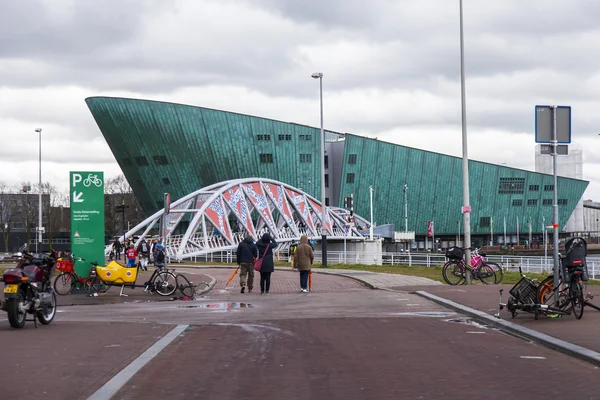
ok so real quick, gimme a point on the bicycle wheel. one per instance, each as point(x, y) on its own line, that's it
point(576, 293)
point(486, 274)
point(64, 283)
point(185, 286)
point(453, 273)
point(165, 283)
point(547, 295)
point(498, 270)
point(94, 285)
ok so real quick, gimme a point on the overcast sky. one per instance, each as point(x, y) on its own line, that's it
point(391, 70)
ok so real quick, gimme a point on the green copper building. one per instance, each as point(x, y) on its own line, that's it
point(165, 147)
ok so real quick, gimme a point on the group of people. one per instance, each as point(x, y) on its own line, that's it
point(249, 252)
point(146, 252)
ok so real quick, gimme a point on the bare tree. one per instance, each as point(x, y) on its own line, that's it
point(52, 201)
point(9, 211)
point(118, 193)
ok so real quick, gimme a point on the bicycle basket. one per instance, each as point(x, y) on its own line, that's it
point(64, 265)
point(455, 253)
point(525, 292)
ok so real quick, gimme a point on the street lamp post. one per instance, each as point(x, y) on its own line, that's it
point(465, 158)
point(26, 190)
point(39, 238)
point(319, 76)
point(405, 207)
point(371, 202)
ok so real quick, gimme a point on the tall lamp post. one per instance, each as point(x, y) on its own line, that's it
point(405, 207)
point(465, 158)
point(371, 203)
point(39, 239)
point(26, 190)
point(319, 76)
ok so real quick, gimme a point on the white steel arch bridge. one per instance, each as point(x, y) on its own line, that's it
point(216, 218)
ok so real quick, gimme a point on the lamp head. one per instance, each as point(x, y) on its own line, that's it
point(317, 75)
point(38, 130)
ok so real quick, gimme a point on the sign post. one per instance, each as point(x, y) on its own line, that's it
point(87, 218)
point(553, 126)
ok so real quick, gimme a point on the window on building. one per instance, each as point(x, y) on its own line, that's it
point(284, 137)
point(484, 222)
point(305, 158)
point(517, 202)
point(141, 161)
point(127, 162)
point(266, 158)
point(288, 137)
point(351, 158)
point(547, 202)
point(350, 178)
point(532, 202)
point(511, 185)
point(548, 188)
point(562, 202)
point(327, 201)
point(326, 180)
point(308, 137)
point(160, 160)
point(326, 162)
point(302, 137)
point(166, 181)
point(264, 138)
point(534, 188)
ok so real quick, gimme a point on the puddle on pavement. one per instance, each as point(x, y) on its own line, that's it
point(470, 322)
point(220, 306)
point(434, 314)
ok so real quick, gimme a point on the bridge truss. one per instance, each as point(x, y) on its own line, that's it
point(218, 217)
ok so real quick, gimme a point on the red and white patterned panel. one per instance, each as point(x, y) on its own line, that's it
point(319, 214)
point(217, 214)
point(278, 196)
point(237, 201)
point(298, 200)
point(173, 219)
point(256, 195)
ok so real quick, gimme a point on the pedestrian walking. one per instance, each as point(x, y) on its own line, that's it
point(292, 251)
point(304, 261)
point(143, 250)
point(245, 255)
point(265, 246)
point(131, 255)
point(118, 248)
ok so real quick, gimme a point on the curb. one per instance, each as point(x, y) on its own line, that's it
point(367, 284)
point(517, 330)
point(211, 285)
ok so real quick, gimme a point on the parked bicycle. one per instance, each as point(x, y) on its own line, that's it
point(68, 279)
point(454, 271)
point(569, 296)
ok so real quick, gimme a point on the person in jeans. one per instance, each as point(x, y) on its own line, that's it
point(304, 260)
point(268, 265)
point(245, 255)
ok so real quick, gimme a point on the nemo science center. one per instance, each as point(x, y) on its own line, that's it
point(176, 148)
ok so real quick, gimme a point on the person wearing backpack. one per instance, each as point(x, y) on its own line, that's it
point(143, 250)
point(265, 247)
point(159, 256)
point(292, 251)
point(245, 255)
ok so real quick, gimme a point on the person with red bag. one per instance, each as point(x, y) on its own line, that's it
point(265, 246)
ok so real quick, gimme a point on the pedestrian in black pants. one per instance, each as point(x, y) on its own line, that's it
point(265, 247)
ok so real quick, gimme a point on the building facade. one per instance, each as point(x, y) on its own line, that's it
point(165, 147)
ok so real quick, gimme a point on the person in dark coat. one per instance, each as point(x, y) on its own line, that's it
point(246, 254)
point(268, 265)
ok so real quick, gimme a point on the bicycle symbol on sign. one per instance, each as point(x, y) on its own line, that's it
point(92, 179)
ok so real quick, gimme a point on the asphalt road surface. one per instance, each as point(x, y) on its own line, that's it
point(357, 344)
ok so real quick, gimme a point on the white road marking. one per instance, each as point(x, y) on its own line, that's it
point(533, 357)
point(474, 332)
point(111, 387)
point(413, 304)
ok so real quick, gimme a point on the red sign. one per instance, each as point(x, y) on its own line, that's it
point(430, 229)
point(466, 209)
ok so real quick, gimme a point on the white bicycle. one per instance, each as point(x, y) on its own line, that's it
point(92, 179)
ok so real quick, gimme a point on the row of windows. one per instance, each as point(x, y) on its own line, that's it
point(517, 186)
point(142, 161)
point(305, 158)
point(267, 138)
point(534, 202)
point(266, 158)
point(351, 158)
